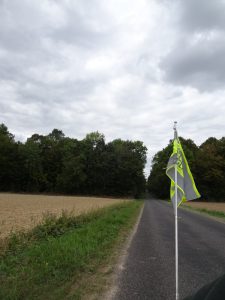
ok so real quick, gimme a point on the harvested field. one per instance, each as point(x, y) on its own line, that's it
point(218, 206)
point(21, 212)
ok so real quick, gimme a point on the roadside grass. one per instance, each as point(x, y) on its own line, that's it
point(213, 213)
point(56, 259)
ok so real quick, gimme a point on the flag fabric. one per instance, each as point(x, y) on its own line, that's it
point(186, 189)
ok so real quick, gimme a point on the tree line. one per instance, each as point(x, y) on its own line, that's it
point(55, 163)
point(207, 164)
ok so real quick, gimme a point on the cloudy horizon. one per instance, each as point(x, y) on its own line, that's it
point(124, 68)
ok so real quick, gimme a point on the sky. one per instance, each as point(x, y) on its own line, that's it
point(125, 68)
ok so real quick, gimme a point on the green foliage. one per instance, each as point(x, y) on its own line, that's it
point(207, 164)
point(50, 261)
point(58, 164)
point(158, 184)
point(10, 161)
point(211, 170)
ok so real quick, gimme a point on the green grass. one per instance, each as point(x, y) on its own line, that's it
point(52, 260)
point(213, 213)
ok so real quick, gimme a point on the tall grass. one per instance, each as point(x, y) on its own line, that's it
point(46, 262)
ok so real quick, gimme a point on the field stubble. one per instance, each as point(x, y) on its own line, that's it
point(22, 212)
point(213, 206)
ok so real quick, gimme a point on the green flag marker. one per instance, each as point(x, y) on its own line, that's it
point(186, 189)
point(182, 188)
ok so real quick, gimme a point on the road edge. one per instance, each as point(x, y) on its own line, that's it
point(120, 262)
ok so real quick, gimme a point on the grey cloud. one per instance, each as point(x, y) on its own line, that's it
point(79, 33)
point(87, 25)
point(201, 65)
point(197, 56)
point(36, 50)
point(201, 15)
point(20, 26)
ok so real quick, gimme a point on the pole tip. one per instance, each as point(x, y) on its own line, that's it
point(175, 125)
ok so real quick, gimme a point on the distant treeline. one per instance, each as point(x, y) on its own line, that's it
point(55, 163)
point(207, 164)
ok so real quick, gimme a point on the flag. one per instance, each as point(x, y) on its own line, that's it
point(186, 189)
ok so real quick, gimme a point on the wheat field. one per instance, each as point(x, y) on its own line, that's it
point(21, 212)
point(219, 206)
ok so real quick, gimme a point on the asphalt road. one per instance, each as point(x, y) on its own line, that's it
point(149, 268)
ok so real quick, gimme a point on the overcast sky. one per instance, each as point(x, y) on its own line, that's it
point(125, 68)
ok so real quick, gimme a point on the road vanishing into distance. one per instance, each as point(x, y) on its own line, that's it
point(149, 267)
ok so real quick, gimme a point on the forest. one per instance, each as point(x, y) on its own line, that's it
point(58, 164)
point(54, 163)
point(207, 164)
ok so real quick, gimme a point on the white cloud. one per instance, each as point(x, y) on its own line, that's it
point(125, 68)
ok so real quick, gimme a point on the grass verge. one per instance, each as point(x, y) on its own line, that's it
point(54, 259)
point(212, 213)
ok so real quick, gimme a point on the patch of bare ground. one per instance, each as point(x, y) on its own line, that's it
point(22, 212)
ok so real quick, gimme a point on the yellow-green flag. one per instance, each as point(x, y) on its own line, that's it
point(186, 189)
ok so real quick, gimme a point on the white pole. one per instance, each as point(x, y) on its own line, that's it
point(176, 222)
point(176, 236)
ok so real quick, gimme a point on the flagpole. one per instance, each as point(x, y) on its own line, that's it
point(182, 188)
point(176, 227)
point(176, 236)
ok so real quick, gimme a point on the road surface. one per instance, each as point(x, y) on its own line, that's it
point(149, 268)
